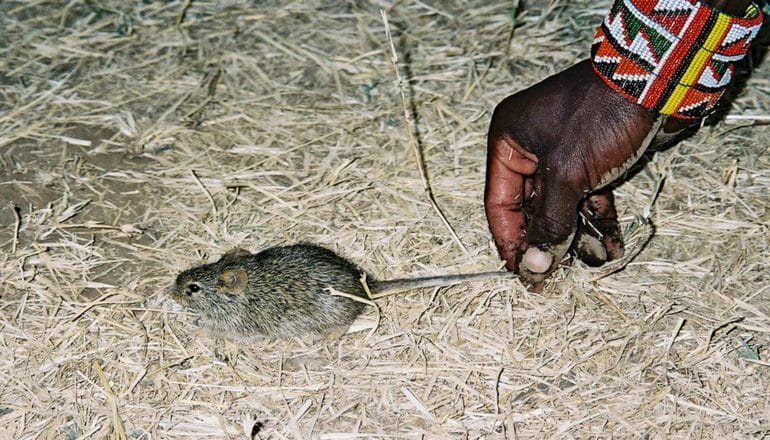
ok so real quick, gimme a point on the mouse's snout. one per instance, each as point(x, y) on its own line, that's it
point(179, 291)
point(187, 289)
point(173, 293)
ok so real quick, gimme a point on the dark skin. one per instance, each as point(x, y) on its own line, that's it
point(552, 151)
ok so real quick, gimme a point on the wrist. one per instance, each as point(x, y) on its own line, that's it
point(674, 57)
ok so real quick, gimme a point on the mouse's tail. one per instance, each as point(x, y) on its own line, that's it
point(384, 288)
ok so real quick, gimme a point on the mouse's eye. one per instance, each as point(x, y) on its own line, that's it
point(192, 288)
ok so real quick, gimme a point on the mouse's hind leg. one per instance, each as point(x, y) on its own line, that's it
point(334, 335)
point(321, 354)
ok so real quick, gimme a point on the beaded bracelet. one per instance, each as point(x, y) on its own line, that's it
point(672, 56)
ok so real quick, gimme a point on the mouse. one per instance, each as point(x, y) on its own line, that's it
point(287, 291)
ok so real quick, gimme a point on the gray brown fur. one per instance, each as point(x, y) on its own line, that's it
point(284, 291)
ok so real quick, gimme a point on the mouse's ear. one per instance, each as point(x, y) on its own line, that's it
point(234, 281)
point(236, 252)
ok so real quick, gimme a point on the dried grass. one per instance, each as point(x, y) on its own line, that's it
point(140, 138)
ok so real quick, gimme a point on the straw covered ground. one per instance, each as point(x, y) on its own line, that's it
point(141, 138)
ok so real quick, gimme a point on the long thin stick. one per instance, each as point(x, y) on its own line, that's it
point(412, 141)
point(206, 191)
point(16, 227)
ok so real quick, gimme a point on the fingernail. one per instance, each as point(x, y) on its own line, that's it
point(537, 261)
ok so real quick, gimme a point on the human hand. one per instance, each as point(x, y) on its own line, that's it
point(552, 150)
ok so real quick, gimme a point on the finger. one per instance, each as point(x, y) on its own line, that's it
point(507, 166)
point(599, 210)
point(553, 225)
point(599, 238)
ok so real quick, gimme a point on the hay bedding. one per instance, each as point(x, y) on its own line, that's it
point(140, 138)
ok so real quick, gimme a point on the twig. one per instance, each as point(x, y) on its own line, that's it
point(211, 89)
point(762, 118)
point(515, 4)
point(675, 334)
point(369, 300)
point(16, 227)
point(412, 141)
point(208, 194)
point(118, 429)
point(183, 14)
